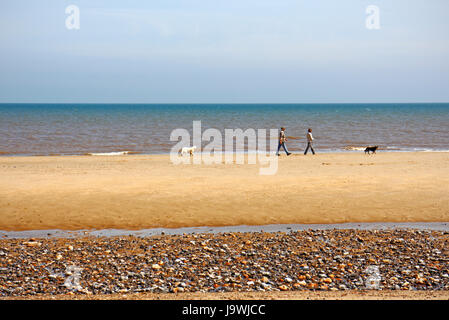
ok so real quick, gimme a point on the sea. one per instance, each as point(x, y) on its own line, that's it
point(114, 129)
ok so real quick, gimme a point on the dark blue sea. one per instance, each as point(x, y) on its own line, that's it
point(74, 129)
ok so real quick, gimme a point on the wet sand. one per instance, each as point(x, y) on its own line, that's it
point(57, 233)
point(135, 192)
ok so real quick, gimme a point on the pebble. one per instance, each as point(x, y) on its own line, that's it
point(299, 260)
point(32, 244)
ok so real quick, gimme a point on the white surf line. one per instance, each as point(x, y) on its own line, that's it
point(115, 153)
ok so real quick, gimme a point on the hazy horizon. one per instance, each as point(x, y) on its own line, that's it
point(191, 51)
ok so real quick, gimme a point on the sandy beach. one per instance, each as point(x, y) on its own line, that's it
point(148, 191)
point(136, 192)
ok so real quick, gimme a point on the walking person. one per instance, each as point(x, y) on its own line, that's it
point(282, 140)
point(309, 142)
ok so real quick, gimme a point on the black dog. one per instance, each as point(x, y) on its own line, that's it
point(372, 149)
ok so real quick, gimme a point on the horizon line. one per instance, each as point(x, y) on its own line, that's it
point(186, 103)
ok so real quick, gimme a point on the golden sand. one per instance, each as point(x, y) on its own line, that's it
point(146, 191)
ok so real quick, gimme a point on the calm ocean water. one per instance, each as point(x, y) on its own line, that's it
point(66, 129)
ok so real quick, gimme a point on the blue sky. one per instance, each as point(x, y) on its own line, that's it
point(224, 51)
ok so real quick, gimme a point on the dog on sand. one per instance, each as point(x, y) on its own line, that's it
point(188, 150)
point(372, 149)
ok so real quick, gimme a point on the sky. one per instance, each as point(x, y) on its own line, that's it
point(215, 51)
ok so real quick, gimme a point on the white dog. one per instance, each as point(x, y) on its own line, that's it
point(186, 150)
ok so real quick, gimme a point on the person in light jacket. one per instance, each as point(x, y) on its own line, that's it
point(309, 142)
